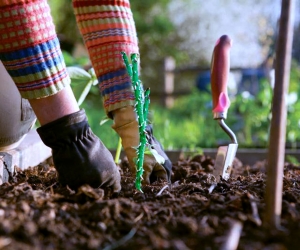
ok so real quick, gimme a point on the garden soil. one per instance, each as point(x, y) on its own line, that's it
point(37, 213)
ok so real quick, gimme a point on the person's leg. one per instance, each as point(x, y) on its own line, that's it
point(55, 106)
point(16, 115)
point(30, 52)
point(18, 112)
point(108, 29)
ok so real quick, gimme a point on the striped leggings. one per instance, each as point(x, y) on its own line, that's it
point(31, 54)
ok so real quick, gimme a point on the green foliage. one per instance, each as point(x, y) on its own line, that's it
point(82, 82)
point(96, 114)
point(84, 86)
point(158, 38)
point(293, 160)
point(72, 61)
point(154, 27)
point(293, 115)
point(64, 20)
point(253, 116)
point(189, 124)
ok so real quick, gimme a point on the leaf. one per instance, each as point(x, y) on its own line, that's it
point(78, 74)
point(104, 120)
point(157, 156)
point(84, 92)
point(81, 82)
point(91, 71)
point(69, 60)
point(95, 82)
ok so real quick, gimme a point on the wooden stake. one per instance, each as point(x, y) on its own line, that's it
point(276, 151)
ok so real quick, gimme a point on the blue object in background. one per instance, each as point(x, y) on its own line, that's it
point(203, 81)
point(250, 81)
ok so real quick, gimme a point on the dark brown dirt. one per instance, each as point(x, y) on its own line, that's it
point(37, 213)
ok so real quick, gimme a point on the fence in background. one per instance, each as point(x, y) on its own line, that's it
point(241, 79)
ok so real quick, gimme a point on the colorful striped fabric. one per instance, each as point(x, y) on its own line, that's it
point(29, 48)
point(108, 28)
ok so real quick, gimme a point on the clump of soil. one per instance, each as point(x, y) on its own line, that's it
point(36, 212)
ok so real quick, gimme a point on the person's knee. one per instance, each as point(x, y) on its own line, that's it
point(16, 115)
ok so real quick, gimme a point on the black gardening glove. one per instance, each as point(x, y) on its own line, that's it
point(160, 170)
point(78, 155)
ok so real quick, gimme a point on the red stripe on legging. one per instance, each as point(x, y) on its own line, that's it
point(77, 4)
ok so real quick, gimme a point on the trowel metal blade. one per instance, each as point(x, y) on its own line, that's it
point(224, 160)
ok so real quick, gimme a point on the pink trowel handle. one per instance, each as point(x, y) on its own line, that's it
point(220, 66)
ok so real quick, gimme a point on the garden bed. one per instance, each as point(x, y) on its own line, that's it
point(37, 213)
point(248, 156)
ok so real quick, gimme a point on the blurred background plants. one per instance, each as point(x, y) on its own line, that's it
point(189, 123)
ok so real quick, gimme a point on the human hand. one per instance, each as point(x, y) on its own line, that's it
point(79, 156)
point(156, 163)
point(161, 166)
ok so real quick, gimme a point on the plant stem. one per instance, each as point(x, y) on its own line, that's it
point(141, 108)
point(118, 152)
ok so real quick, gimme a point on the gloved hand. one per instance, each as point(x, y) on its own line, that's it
point(78, 155)
point(126, 125)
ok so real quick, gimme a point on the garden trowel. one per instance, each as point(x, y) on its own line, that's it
point(220, 67)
